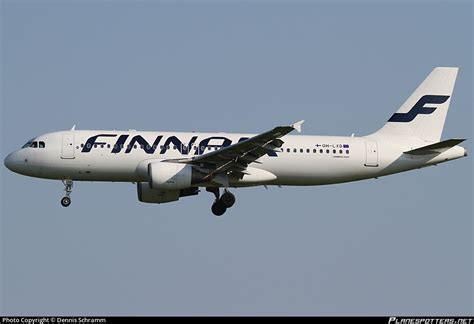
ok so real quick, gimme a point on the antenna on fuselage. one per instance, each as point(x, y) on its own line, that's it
point(73, 128)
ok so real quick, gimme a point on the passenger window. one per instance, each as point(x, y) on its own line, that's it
point(327, 151)
point(288, 150)
point(301, 150)
point(340, 151)
point(135, 146)
point(295, 150)
point(102, 145)
point(41, 144)
point(82, 145)
point(307, 150)
point(314, 150)
point(334, 151)
point(108, 145)
point(347, 151)
point(321, 151)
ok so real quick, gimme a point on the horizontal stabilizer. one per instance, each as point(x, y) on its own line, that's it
point(436, 148)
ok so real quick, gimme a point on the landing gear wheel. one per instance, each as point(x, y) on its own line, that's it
point(227, 199)
point(218, 209)
point(65, 201)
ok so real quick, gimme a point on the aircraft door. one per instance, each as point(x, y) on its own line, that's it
point(68, 146)
point(372, 156)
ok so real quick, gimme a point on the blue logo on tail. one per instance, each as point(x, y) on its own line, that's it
point(419, 108)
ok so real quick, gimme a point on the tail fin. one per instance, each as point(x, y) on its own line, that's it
point(424, 112)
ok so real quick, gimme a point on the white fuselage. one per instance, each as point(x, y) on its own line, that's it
point(302, 160)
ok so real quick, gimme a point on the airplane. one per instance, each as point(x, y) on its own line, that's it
point(166, 166)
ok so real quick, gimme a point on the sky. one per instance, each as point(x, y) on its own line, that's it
point(400, 244)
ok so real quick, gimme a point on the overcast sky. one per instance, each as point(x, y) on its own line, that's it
point(401, 244)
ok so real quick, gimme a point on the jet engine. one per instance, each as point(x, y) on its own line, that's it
point(173, 176)
point(159, 196)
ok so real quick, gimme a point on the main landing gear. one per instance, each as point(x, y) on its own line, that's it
point(66, 201)
point(223, 202)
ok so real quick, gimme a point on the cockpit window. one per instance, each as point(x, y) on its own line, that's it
point(34, 144)
point(28, 144)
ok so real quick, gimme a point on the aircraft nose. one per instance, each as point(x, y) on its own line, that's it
point(11, 161)
point(8, 161)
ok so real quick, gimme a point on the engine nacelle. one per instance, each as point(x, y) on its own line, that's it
point(172, 176)
point(159, 196)
point(148, 195)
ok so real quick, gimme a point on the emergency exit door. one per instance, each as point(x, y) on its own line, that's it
point(372, 155)
point(68, 147)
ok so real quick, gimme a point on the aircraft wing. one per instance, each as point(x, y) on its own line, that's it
point(235, 158)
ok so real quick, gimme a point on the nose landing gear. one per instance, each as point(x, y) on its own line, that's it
point(66, 201)
point(220, 205)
